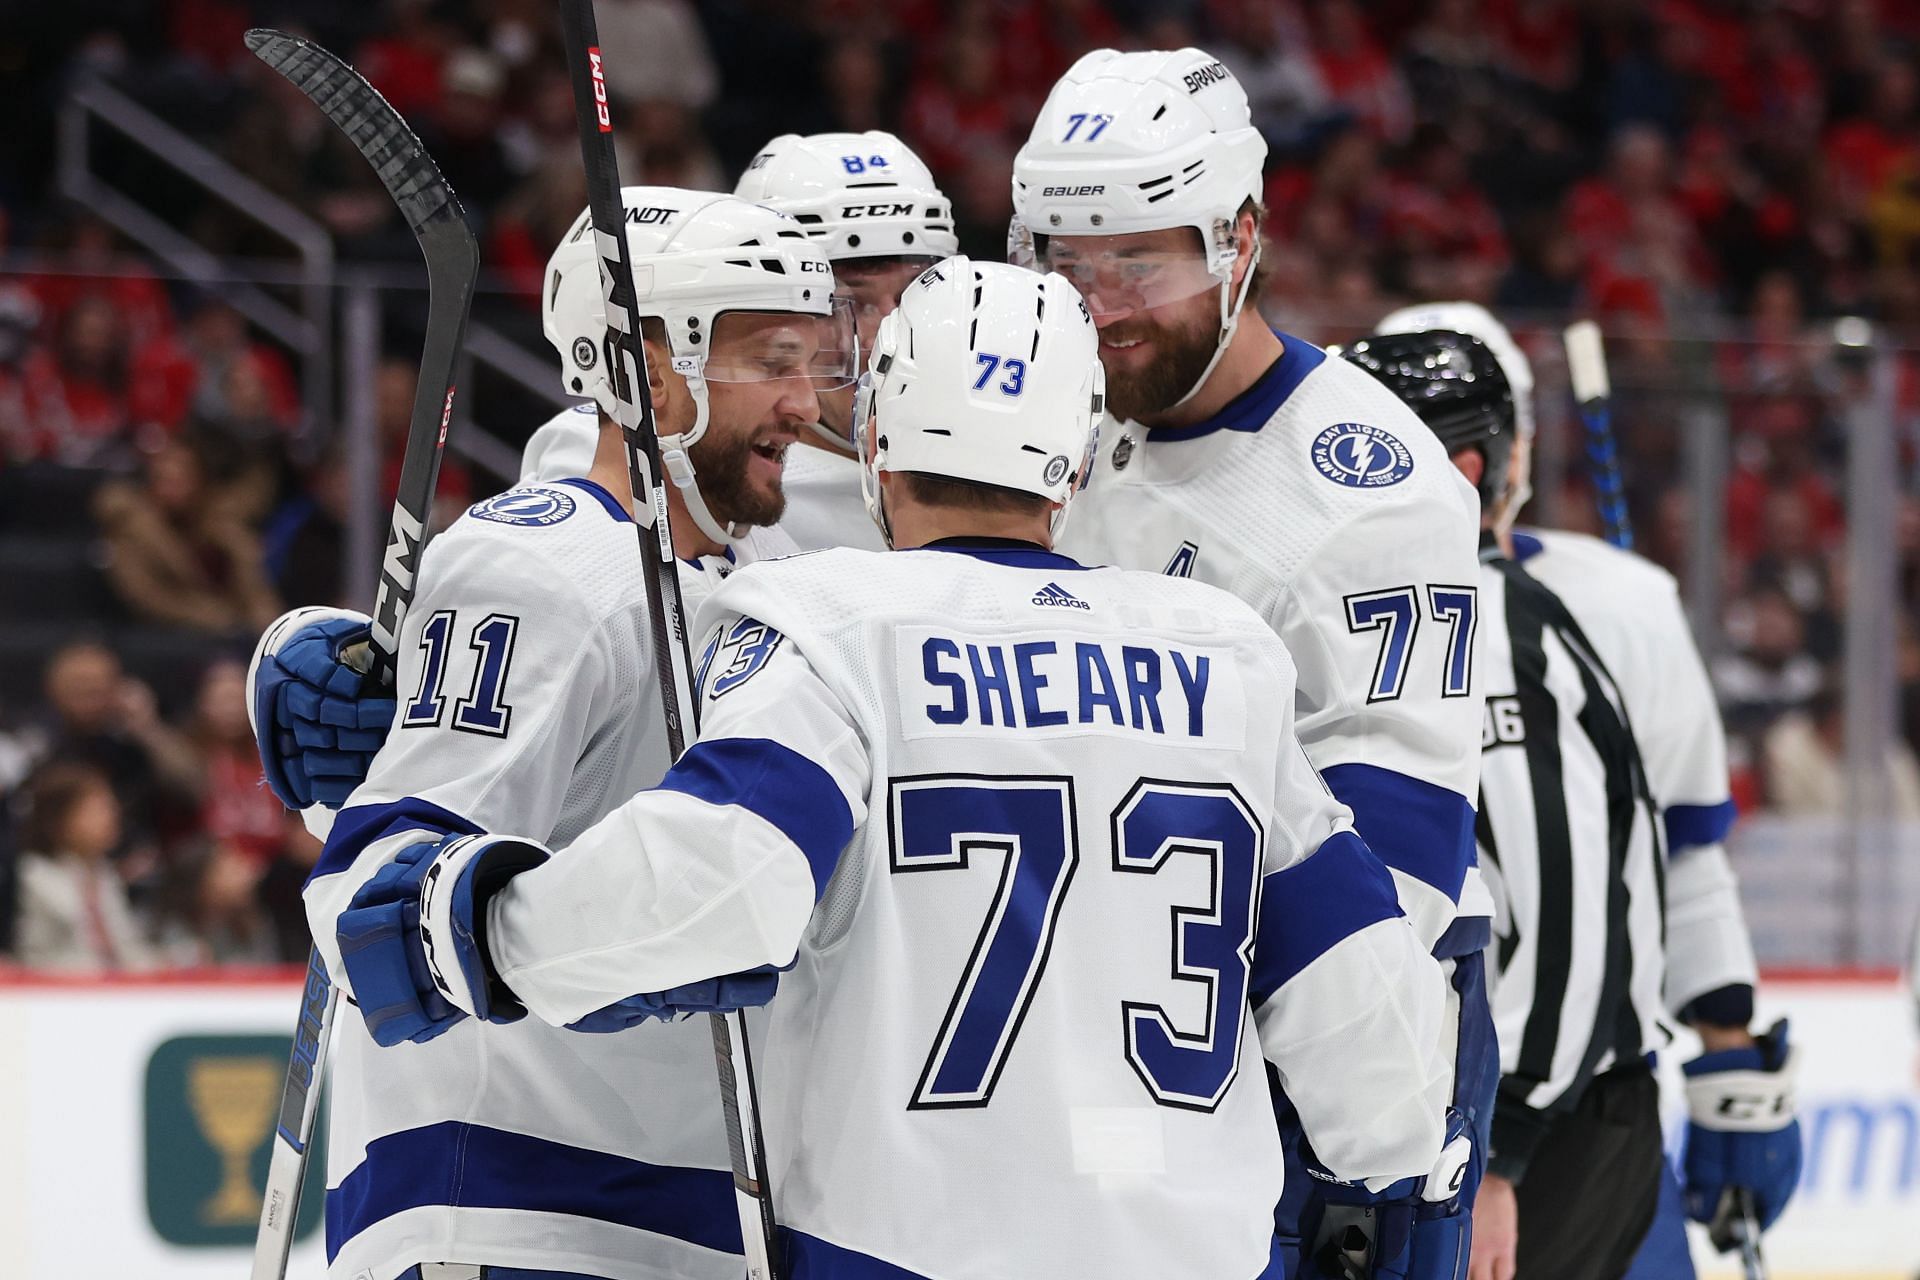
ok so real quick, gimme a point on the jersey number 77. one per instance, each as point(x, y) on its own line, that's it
point(939, 822)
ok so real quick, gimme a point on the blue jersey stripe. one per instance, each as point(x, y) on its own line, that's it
point(776, 782)
point(811, 1258)
point(1253, 408)
point(599, 495)
point(1304, 910)
point(1415, 827)
point(1692, 825)
point(473, 1166)
point(360, 826)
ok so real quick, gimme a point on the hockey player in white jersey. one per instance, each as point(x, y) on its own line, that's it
point(1247, 459)
point(526, 700)
point(957, 790)
point(1631, 612)
point(873, 206)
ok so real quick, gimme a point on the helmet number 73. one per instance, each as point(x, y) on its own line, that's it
point(1014, 367)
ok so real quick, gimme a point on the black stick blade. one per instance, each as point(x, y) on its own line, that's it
point(406, 170)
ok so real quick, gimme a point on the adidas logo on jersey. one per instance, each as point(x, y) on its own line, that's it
point(1057, 596)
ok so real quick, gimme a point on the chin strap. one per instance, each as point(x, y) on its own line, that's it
point(833, 440)
point(1229, 321)
point(676, 457)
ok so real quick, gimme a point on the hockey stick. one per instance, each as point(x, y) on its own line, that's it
point(1587, 369)
point(627, 367)
point(434, 215)
point(1736, 1224)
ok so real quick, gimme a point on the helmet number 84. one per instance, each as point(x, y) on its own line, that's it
point(1100, 121)
point(859, 164)
point(1014, 367)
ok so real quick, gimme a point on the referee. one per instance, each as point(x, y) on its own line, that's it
point(1571, 843)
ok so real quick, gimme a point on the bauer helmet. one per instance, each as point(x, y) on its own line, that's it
point(987, 373)
point(696, 256)
point(1453, 382)
point(1130, 142)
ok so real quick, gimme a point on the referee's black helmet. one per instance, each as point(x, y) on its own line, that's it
point(1455, 385)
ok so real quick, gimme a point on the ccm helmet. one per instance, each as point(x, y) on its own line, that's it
point(987, 373)
point(1130, 142)
point(862, 195)
point(696, 255)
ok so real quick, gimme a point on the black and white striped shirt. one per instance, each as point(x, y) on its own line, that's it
point(1570, 845)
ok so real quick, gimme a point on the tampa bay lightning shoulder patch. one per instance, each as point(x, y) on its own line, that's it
point(1361, 456)
point(534, 505)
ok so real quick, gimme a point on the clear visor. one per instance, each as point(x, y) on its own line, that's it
point(767, 346)
point(872, 286)
point(1117, 278)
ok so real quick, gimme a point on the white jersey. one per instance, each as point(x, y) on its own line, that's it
point(824, 504)
point(1631, 610)
point(1035, 840)
point(528, 700)
point(1320, 500)
point(562, 446)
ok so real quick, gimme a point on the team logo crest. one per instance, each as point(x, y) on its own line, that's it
point(534, 506)
point(1361, 457)
point(1122, 452)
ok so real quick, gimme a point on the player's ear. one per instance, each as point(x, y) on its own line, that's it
point(1246, 227)
point(660, 373)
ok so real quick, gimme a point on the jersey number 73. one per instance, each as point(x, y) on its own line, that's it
point(1028, 829)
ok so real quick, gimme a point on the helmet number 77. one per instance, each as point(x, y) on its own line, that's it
point(1100, 121)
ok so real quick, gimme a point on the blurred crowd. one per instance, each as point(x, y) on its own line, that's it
point(1714, 180)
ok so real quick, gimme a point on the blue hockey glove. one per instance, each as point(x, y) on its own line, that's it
point(413, 939)
point(317, 719)
point(1743, 1132)
point(1413, 1229)
point(715, 995)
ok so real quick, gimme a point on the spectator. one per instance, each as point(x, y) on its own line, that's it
point(465, 139)
point(175, 556)
point(74, 916)
point(1806, 774)
point(960, 112)
point(306, 540)
point(19, 320)
point(1769, 673)
point(279, 891)
point(236, 812)
point(393, 409)
point(75, 393)
point(1269, 49)
point(1358, 74)
point(656, 49)
point(95, 714)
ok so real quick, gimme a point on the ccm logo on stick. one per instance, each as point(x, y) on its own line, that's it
point(599, 90)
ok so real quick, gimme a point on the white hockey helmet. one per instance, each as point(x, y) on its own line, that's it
point(987, 373)
point(1130, 142)
point(862, 195)
point(696, 255)
point(1475, 321)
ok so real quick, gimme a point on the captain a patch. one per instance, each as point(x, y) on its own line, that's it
point(533, 505)
point(1361, 457)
